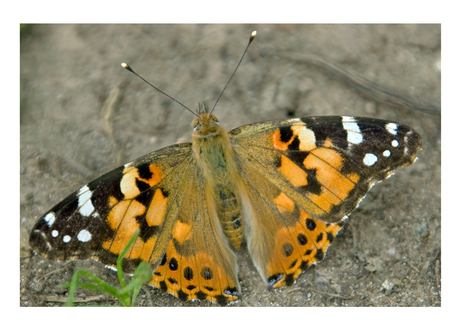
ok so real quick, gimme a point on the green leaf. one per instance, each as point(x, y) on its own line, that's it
point(127, 294)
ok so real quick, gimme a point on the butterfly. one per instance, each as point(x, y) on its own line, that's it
point(283, 188)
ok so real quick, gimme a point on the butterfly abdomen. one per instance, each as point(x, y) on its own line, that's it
point(228, 210)
point(217, 165)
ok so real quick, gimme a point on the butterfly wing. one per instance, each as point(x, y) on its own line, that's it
point(98, 220)
point(198, 263)
point(297, 178)
point(283, 239)
point(308, 174)
point(163, 196)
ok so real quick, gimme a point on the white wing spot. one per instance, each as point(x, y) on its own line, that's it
point(50, 218)
point(353, 132)
point(111, 268)
point(370, 159)
point(395, 143)
point(386, 153)
point(84, 201)
point(84, 236)
point(83, 190)
point(392, 127)
point(66, 239)
point(87, 208)
point(54, 233)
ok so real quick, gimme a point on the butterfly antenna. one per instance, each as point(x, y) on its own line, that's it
point(251, 38)
point(126, 66)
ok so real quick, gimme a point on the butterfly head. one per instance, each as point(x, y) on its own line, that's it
point(206, 124)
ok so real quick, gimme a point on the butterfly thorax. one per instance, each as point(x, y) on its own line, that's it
point(216, 164)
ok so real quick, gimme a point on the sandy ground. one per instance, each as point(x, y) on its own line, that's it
point(389, 253)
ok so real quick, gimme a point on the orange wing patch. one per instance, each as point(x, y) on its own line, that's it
point(122, 219)
point(297, 248)
point(143, 250)
point(182, 232)
point(328, 164)
point(284, 203)
point(194, 277)
point(157, 210)
point(293, 173)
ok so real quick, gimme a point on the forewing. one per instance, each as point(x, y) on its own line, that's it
point(326, 165)
point(98, 220)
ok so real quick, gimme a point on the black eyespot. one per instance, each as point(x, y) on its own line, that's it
point(206, 273)
point(188, 273)
point(173, 265)
point(287, 249)
point(302, 239)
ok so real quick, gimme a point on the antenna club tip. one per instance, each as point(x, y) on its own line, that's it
point(126, 66)
point(254, 33)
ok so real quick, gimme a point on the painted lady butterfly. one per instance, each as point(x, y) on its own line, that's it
point(284, 187)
